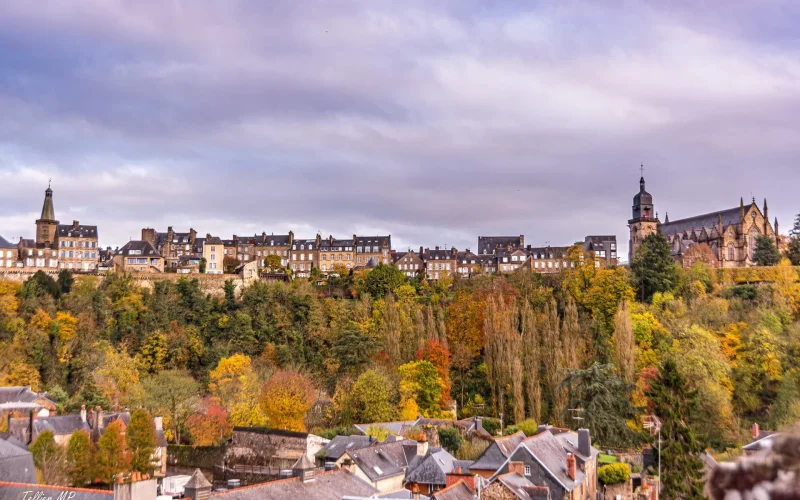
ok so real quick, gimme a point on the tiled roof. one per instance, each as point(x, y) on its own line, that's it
point(63, 425)
point(731, 216)
point(458, 491)
point(339, 444)
point(197, 481)
point(325, 486)
point(4, 243)
point(496, 454)
point(80, 231)
point(488, 244)
point(522, 488)
point(381, 461)
point(373, 241)
point(144, 248)
point(20, 394)
point(432, 468)
point(548, 451)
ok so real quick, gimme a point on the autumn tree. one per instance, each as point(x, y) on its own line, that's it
point(465, 322)
point(653, 268)
point(235, 385)
point(624, 342)
point(285, 399)
point(173, 394)
point(210, 425)
point(81, 458)
point(391, 330)
point(572, 337)
point(374, 397)
point(793, 249)
point(118, 377)
point(532, 361)
point(437, 354)
point(420, 387)
point(112, 457)
point(503, 348)
point(675, 404)
point(141, 441)
point(50, 459)
point(554, 366)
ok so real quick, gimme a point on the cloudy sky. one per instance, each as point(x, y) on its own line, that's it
point(434, 121)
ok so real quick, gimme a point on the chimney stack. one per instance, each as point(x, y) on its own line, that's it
point(571, 466)
point(756, 431)
point(415, 492)
point(159, 423)
point(516, 468)
point(585, 442)
point(422, 446)
point(83, 413)
point(198, 487)
point(75, 225)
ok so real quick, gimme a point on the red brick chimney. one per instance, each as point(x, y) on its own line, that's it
point(516, 468)
point(415, 492)
point(756, 431)
point(457, 475)
point(571, 466)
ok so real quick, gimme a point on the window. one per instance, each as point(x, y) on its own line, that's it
point(731, 252)
point(527, 470)
point(324, 256)
point(324, 266)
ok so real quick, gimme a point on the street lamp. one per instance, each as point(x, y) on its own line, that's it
point(653, 423)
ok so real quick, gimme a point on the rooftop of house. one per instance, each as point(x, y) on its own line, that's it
point(76, 230)
point(397, 427)
point(16, 464)
point(4, 243)
point(730, 216)
point(384, 460)
point(488, 244)
point(138, 247)
point(22, 394)
point(548, 451)
point(522, 488)
point(339, 444)
point(372, 241)
point(332, 485)
point(432, 468)
point(496, 454)
point(212, 240)
point(458, 491)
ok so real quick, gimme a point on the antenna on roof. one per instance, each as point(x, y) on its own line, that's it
point(576, 412)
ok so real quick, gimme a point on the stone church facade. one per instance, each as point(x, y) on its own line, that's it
point(730, 235)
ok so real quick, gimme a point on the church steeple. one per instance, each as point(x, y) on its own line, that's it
point(644, 220)
point(666, 218)
point(48, 212)
point(47, 225)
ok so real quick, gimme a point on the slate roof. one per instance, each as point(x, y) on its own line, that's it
point(4, 243)
point(464, 464)
point(277, 240)
point(496, 454)
point(308, 244)
point(48, 212)
point(20, 394)
point(488, 244)
point(458, 491)
point(522, 488)
point(397, 427)
point(372, 241)
point(382, 461)
point(213, 240)
point(198, 480)
point(144, 247)
point(548, 451)
point(71, 231)
point(63, 425)
point(432, 468)
point(547, 252)
point(398, 255)
point(16, 464)
point(642, 197)
point(331, 485)
point(339, 444)
point(764, 441)
point(16, 491)
point(731, 216)
point(439, 254)
point(569, 441)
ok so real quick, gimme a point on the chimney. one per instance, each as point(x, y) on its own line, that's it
point(159, 423)
point(571, 466)
point(138, 489)
point(437, 247)
point(198, 487)
point(99, 416)
point(516, 468)
point(83, 413)
point(585, 442)
point(522, 241)
point(75, 225)
point(32, 425)
point(420, 252)
point(415, 492)
point(422, 446)
point(756, 431)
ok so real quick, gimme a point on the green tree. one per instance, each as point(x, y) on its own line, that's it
point(614, 473)
point(272, 262)
point(374, 397)
point(141, 441)
point(50, 459)
point(173, 394)
point(766, 253)
point(604, 398)
point(793, 251)
point(65, 281)
point(450, 439)
point(675, 403)
point(382, 280)
point(653, 268)
point(81, 458)
point(230, 295)
point(203, 265)
point(112, 458)
point(352, 348)
point(786, 409)
point(419, 380)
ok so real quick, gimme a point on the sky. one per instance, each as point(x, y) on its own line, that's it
point(432, 121)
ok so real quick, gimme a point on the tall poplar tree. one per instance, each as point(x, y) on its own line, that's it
point(554, 363)
point(111, 456)
point(532, 361)
point(142, 441)
point(623, 342)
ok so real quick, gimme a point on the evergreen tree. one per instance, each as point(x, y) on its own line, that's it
point(111, 456)
point(793, 252)
point(142, 441)
point(653, 269)
point(65, 281)
point(230, 295)
point(766, 253)
point(81, 458)
point(675, 403)
point(786, 409)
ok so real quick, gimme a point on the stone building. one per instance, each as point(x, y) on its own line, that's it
point(409, 263)
point(489, 245)
point(263, 446)
point(138, 256)
point(9, 254)
point(372, 250)
point(37, 255)
point(77, 247)
point(469, 264)
point(604, 247)
point(731, 234)
point(214, 253)
point(46, 225)
point(439, 263)
point(172, 245)
point(259, 246)
point(549, 259)
point(510, 259)
point(304, 256)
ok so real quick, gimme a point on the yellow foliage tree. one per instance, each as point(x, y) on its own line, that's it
point(232, 376)
point(285, 399)
point(118, 377)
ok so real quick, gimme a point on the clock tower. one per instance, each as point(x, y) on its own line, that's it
point(643, 222)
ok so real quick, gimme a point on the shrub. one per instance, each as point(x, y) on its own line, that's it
point(491, 425)
point(450, 439)
point(529, 427)
point(614, 473)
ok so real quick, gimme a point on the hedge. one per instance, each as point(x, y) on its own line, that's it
point(614, 473)
point(203, 457)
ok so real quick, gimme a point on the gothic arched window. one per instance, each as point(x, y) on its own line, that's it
point(731, 252)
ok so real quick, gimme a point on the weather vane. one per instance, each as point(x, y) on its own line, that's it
point(641, 169)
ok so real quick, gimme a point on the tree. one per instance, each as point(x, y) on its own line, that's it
point(604, 398)
point(532, 361)
point(352, 348)
point(118, 377)
point(173, 394)
point(653, 269)
point(450, 439)
point(553, 361)
point(285, 399)
point(272, 262)
point(210, 426)
point(65, 281)
point(81, 458)
point(112, 458)
point(391, 330)
point(229, 265)
point(503, 348)
point(614, 473)
point(420, 383)
point(675, 403)
point(382, 280)
point(766, 253)
point(374, 397)
point(793, 250)
point(623, 342)
point(786, 409)
point(141, 441)
point(202, 266)
point(50, 459)
point(232, 376)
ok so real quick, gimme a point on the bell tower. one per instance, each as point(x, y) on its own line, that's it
point(47, 224)
point(643, 221)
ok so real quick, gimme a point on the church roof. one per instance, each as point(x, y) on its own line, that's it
point(731, 216)
point(642, 197)
point(48, 212)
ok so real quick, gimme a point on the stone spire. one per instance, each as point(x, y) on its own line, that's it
point(48, 212)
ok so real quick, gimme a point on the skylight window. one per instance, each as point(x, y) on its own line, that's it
point(377, 470)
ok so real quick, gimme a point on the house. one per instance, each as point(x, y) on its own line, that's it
point(384, 465)
point(373, 250)
point(37, 255)
point(336, 253)
point(457, 491)
point(336, 447)
point(138, 256)
point(77, 246)
point(16, 464)
point(172, 245)
point(548, 259)
point(469, 264)
point(439, 263)
point(409, 263)
point(563, 461)
point(515, 485)
point(489, 245)
point(429, 472)
point(22, 398)
point(214, 253)
point(604, 248)
point(509, 260)
point(271, 447)
point(761, 440)
point(304, 256)
point(496, 455)
point(9, 254)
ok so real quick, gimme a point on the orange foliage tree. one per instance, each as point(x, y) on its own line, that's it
point(211, 426)
point(437, 354)
point(286, 398)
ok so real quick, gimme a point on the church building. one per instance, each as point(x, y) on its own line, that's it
point(727, 237)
